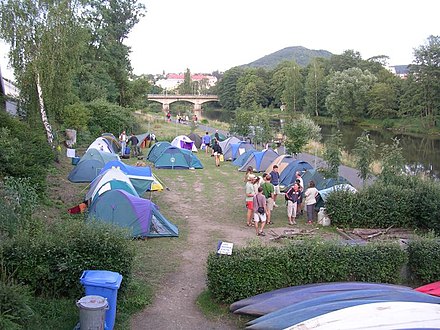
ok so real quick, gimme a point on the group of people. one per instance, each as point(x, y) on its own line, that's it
point(133, 141)
point(262, 193)
point(213, 146)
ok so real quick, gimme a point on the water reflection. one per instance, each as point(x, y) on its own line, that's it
point(421, 153)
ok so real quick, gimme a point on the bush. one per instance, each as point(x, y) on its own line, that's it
point(25, 152)
point(109, 118)
point(15, 312)
point(51, 259)
point(405, 202)
point(254, 270)
point(424, 259)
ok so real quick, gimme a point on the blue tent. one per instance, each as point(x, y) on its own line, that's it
point(312, 175)
point(288, 175)
point(324, 193)
point(90, 165)
point(259, 160)
point(234, 150)
point(156, 150)
point(330, 182)
point(243, 158)
point(139, 215)
point(141, 177)
point(176, 158)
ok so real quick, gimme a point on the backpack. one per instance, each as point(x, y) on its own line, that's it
point(288, 194)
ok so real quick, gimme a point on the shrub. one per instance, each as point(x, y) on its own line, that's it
point(15, 312)
point(254, 270)
point(76, 116)
point(51, 259)
point(424, 259)
point(403, 202)
point(24, 152)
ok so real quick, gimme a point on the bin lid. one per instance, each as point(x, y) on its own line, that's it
point(92, 302)
point(101, 278)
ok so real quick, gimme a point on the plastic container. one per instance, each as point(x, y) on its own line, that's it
point(75, 160)
point(323, 218)
point(106, 284)
point(92, 310)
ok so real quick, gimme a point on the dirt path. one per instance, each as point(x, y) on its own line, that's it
point(174, 306)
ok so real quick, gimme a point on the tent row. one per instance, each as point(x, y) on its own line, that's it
point(165, 155)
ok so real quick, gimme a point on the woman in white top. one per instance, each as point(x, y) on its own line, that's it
point(310, 199)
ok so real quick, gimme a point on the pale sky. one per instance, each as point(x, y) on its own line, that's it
point(209, 35)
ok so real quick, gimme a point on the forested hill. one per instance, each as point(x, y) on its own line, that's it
point(300, 54)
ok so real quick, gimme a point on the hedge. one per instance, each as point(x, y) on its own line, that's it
point(424, 259)
point(253, 270)
point(51, 259)
point(406, 202)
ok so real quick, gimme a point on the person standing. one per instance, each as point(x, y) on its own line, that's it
point(217, 152)
point(310, 199)
point(168, 116)
point(249, 170)
point(133, 140)
point(260, 209)
point(207, 142)
point(268, 192)
point(216, 135)
point(123, 142)
point(250, 192)
point(275, 180)
point(292, 196)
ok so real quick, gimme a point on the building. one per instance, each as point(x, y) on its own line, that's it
point(8, 95)
point(401, 71)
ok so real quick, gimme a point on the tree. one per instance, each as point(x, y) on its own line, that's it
point(186, 87)
point(348, 59)
point(383, 101)
point(252, 88)
point(299, 131)
point(227, 89)
point(392, 160)
point(348, 94)
point(364, 150)
point(314, 89)
point(241, 125)
point(426, 70)
point(293, 87)
point(45, 43)
point(333, 154)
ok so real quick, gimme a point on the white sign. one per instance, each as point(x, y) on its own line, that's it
point(225, 248)
point(70, 153)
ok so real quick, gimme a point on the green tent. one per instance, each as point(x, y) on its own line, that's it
point(90, 165)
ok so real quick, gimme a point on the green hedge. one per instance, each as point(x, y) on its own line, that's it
point(51, 258)
point(253, 270)
point(424, 259)
point(407, 202)
point(15, 312)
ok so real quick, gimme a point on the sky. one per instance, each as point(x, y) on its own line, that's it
point(209, 35)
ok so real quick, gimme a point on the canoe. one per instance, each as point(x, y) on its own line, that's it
point(432, 289)
point(300, 312)
point(357, 295)
point(381, 315)
point(267, 295)
point(270, 304)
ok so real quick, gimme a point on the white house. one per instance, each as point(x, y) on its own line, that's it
point(10, 93)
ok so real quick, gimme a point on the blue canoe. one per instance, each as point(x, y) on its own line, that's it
point(310, 308)
point(283, 299)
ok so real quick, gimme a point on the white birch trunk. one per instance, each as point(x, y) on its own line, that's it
point(46, 124)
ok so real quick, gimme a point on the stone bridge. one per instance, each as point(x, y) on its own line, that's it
point(197, 100)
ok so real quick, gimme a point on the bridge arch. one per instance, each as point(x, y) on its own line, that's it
point(197, 100)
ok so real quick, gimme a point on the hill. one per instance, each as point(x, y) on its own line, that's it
point(300, 54)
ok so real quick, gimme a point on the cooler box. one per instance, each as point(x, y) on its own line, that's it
point(103, 283)
point(75, 160)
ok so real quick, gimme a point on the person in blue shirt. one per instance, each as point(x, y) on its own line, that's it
point(206, 141)
point(275, 180)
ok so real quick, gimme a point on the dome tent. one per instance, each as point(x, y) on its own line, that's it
point(184, 142)
point(157, 149)
point(259, 160)
point(239, 161)
point(196, 139)
point(176, 158)
point(234, 150)
point(139, 215)
point(90, 165)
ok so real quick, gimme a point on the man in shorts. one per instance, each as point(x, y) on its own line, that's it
point(250, 192)
point(260, 210)
point(275, 180)
point(207, 141)
point(268, 192)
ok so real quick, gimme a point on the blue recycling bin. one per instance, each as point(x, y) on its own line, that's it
point(103, 283)
point(75, 160)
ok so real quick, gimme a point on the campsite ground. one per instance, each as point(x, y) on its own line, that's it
point(208, 206)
